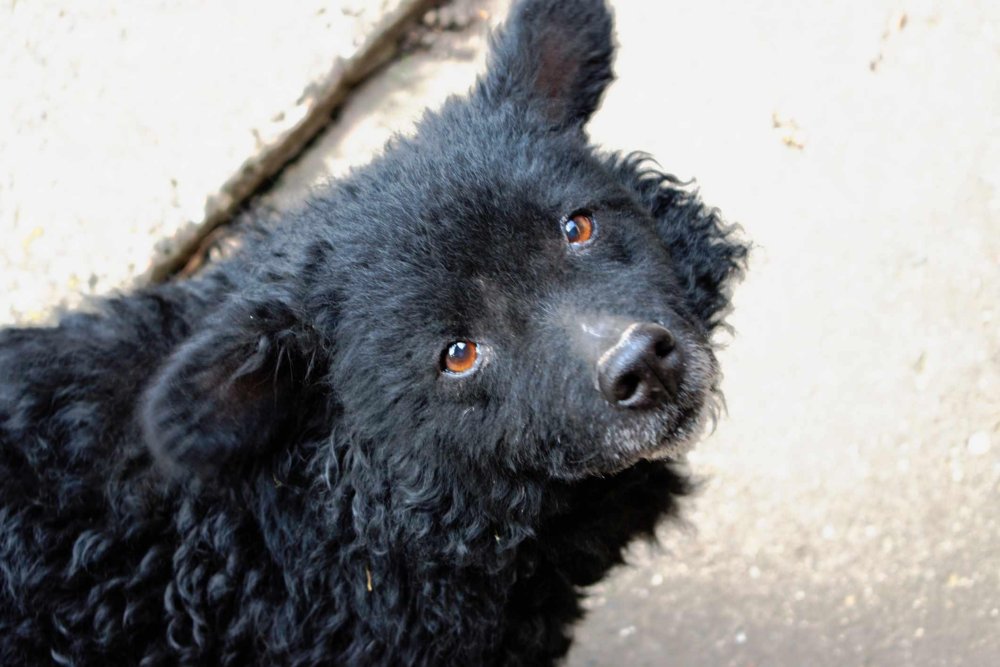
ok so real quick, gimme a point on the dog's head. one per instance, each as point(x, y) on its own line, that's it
point(491, 294)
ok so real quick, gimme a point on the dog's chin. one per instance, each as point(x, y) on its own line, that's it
point(677, 439)
point(668, 440)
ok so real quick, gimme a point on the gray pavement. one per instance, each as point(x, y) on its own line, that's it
point(850, 510)
point(125, 125)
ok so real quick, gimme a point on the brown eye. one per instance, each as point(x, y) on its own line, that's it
point(579, 228)
point(460, 357)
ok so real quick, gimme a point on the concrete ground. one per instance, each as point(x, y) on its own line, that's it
point(850, 513)
point(123, 125)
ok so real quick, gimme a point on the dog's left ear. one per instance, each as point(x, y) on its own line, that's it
point(225, 394)
point(554, 56)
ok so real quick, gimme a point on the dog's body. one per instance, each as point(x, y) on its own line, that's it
point(278, 462)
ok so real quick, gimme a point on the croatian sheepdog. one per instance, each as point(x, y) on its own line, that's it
point(404, 426)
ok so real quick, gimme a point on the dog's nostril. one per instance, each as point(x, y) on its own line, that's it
point(626, 386)
point(664, 345)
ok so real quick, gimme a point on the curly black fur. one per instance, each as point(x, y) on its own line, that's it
point(266, 465)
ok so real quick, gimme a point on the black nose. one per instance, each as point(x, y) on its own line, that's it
point(643, 369)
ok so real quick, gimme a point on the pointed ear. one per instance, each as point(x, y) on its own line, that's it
point(554, 55)
point(225, 394)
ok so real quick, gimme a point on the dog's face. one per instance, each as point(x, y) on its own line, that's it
point(495, 293)
point(521, 308)
point(515, 301)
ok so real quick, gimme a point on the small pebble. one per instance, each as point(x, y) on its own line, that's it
point(979, 443)
point(446, 17)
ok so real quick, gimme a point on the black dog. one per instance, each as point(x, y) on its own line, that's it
point(404, 427)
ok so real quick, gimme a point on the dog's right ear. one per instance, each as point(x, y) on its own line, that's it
point(223, 396)
point(553, 56)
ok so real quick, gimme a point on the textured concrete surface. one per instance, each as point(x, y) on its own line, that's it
point(850, 510)
point(447, 50)
point(124, 125)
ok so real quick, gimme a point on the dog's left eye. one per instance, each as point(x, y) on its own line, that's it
point(460, 357)
point(579, 228)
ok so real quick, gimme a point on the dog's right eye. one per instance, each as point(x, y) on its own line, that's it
point(460, 357)
point(579, 228)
